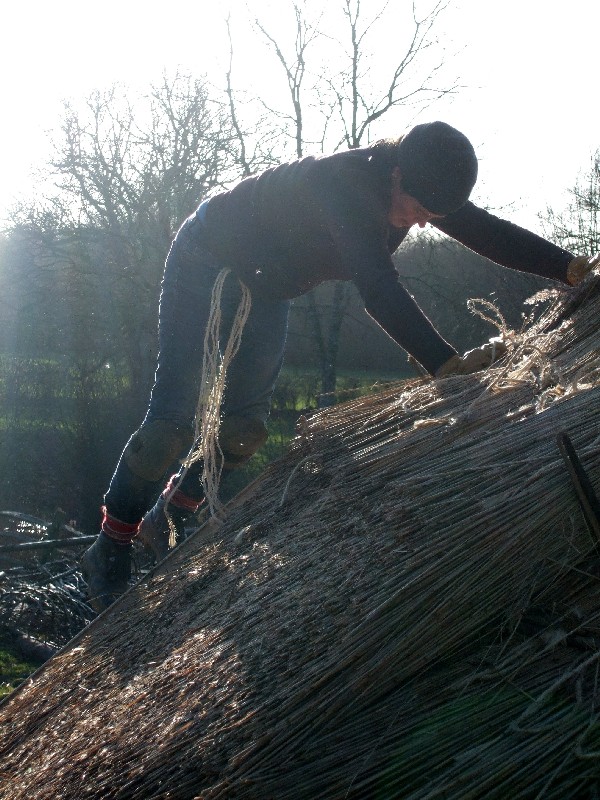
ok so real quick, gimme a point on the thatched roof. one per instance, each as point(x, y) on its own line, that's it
point(406, 606)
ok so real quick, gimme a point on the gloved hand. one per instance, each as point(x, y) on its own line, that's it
point(473, 360)
point(580, 267)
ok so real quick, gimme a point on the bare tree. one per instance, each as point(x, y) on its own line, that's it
point(306, 33)
point(339, 101)
point(411, 82)
point(86, 263)
point(127, 175)
point(254, 134)
point(577, 228)
point(326, 319)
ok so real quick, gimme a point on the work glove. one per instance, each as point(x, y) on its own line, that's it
point(580, 267)
point(473, 360)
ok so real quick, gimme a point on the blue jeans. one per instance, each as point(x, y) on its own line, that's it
point(190, 273)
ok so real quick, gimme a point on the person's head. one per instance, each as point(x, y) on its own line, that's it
point(434, 173)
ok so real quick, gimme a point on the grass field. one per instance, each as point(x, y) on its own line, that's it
point(13, 668)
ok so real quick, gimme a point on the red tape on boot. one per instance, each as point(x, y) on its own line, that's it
point(122, 532)
point(179, 499)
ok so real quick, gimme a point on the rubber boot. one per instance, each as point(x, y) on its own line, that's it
point(106, 568)
point(154, 531)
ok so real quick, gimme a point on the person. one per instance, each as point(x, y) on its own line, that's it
point(281, 233)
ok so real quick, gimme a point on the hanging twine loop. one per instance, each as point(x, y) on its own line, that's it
point(207, 422)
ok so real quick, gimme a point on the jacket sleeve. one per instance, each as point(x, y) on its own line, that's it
point(396, 311)
point(505, 243)
point(357, 222)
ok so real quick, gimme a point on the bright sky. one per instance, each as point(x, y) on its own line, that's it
point(529, 68)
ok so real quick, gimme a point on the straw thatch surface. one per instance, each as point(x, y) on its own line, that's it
point(406, 606)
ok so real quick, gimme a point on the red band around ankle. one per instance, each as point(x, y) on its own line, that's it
point(118, 530)
point(179, 499)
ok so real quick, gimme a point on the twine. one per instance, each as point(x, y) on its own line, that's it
point(207, 421)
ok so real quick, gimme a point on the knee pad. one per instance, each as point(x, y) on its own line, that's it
point(155, 446)
point(240, 438)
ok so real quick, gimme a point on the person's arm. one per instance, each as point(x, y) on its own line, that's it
point(396, 311)
point(356, 218)
point(505, 243)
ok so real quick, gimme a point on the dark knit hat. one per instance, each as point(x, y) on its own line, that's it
point(438, 166)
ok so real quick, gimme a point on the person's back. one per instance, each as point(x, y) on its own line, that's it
point(275, 229)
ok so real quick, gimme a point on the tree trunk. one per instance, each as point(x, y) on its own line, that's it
point(332, 322)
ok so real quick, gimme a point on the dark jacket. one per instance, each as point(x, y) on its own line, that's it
point(317, 219)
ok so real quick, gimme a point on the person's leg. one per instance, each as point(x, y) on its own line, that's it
point(247, 400)
point(249, 386)
point(167, 430)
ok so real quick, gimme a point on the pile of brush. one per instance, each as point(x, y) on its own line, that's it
point(42, 593)
point(405, 606)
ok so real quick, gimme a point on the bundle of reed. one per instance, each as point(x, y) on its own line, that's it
point(405, 606)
